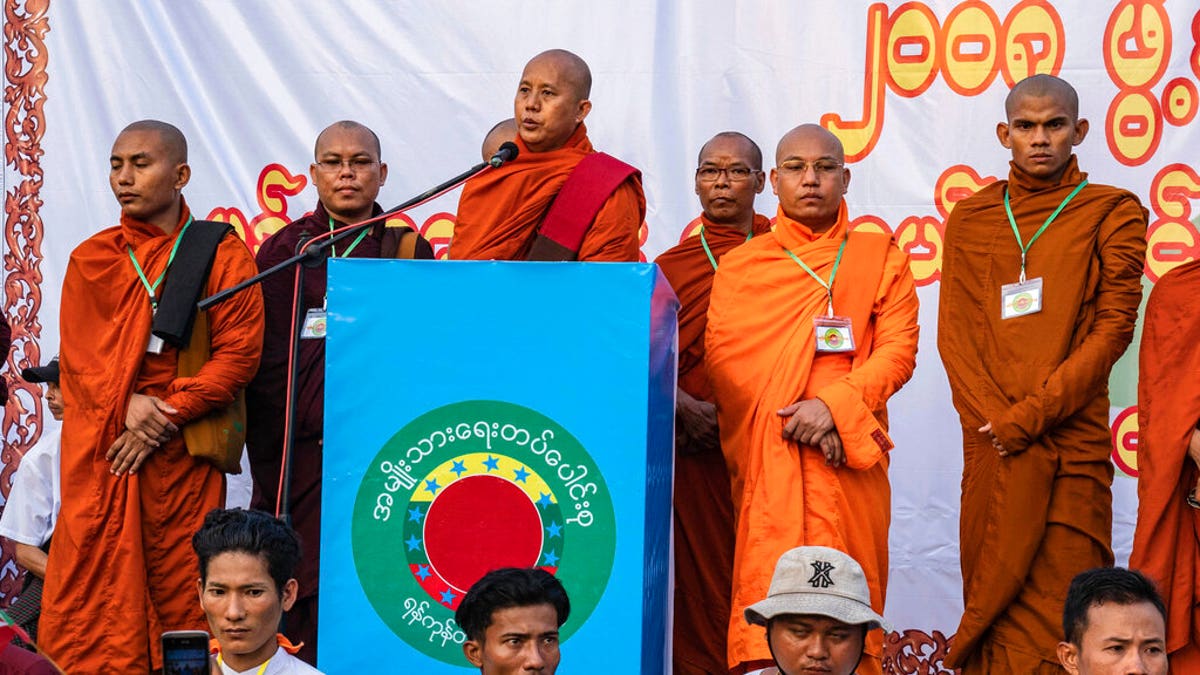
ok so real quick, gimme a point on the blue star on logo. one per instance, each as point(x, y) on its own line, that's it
point(551, 559)
point(553, 530)
point(447, 597)
point(413, 542)
point(458, 468)
point(544, 500)
point(520, 474)
point(423, 572)
point(432, 486)
point(491, 463)
point(414, 514)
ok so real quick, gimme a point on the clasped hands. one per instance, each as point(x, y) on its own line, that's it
point(146, 428)
point(811, 423)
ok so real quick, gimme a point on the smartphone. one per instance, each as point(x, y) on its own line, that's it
point(185, 652)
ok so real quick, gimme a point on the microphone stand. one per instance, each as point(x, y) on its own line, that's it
point(311, 255)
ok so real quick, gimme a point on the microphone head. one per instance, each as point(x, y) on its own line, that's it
point(506, 153)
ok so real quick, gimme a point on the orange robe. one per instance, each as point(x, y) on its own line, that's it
point(1166, 544)
point(121, 568)
point(1033, 520)
point(501, 210)
point(703, 511)
point(761, 358)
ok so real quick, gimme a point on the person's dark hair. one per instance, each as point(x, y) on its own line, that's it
point(505, 588)
point(254, 532)
point(1103, 585)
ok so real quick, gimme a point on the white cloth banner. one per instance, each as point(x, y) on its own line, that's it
point(914, 90)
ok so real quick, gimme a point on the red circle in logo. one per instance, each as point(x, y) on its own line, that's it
point(481, 523)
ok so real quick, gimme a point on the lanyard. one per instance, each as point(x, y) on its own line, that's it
point(261, 669)
point(827, 285)
point(151, 289)
point(333, 249)
point(708, 251)
point(1013, 221)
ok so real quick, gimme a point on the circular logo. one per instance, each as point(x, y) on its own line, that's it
point(471, 487)
point(1022, 303)
point(833, 338)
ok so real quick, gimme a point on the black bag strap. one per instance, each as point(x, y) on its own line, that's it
point(185, 281)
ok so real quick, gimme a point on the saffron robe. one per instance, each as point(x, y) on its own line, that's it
point(703, 511)
point(501, 210)
point(266, 398)
point(1166, 544)
point(1033, 520)
point(760, 353)
point(121, 568)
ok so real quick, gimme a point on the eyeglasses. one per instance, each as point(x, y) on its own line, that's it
point(735, 174)
point(824, 168)
point(355, 164)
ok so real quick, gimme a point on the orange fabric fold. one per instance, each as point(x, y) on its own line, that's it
point(703, 511)
point(1031, 521)
point(122, 564)
point(1166, 544)
point(760, 354)
point(501, 210)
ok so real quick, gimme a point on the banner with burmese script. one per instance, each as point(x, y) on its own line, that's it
point(913, 88)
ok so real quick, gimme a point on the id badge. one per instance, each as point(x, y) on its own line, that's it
point(314, 325)
point(834, 334)
point(1021, 298)
point(155, 345)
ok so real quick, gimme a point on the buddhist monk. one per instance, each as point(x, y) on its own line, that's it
point(348, 173)
point(121, 570)
point(1166, 544)
point(505, 131)
point(559, 199)
point(728, 176)
point(1041, 282)
point(811, 329)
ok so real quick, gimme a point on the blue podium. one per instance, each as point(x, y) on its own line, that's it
point(494, 414)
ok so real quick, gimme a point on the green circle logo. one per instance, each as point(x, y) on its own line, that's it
point(471, 487)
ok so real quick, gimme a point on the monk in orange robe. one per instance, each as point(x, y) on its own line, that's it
point(728, 177)
point(121, 568)
point(802, 361)
point(1166, 544)
point(502, 212)
point(1028, 367)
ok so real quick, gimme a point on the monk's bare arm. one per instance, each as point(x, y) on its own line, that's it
point(614, 235)
point(236, 330)
point(1083, 375)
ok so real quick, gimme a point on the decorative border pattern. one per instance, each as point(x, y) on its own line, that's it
point(914, 652)
point(25, 59)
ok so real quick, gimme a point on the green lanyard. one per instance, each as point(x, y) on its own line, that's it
point(333, 249)
point(708, 251)
point(261, 669)
point(1013, 221)
point(827, 285)
point(151, 289)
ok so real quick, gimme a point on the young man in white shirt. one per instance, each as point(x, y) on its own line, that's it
point(247, 581)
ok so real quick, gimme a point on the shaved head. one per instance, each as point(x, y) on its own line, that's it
point(504, 131)
point(172, 138)
point(574, 70)
point(808, 133)
point(351, 126)
point(752, 152)
point(1040, 86)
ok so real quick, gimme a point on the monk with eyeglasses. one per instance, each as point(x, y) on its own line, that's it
point(811, 329)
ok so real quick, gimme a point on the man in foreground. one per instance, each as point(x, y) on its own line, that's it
point(1041, 282)
point(1166, 544)
point(811, 329)
point(728, 177)
point(559, 199)
point(1113, 624)
point(247, 564)
point(511, 617)
point(132, 495)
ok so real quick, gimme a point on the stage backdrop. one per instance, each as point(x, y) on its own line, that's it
point(914, 89)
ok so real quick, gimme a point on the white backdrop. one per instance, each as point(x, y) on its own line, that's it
point(914, 90)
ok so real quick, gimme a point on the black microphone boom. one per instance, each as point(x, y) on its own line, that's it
point(506, 154)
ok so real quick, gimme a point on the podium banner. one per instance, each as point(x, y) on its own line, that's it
point(532, 428)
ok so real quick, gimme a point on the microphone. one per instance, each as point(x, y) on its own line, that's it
point(506, 153)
